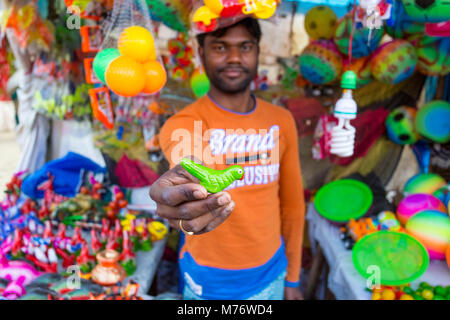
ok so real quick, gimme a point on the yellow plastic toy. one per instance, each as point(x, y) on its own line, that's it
point(137, 43)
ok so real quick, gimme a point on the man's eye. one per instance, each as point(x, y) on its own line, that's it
point(246, 47)
point(219, 48)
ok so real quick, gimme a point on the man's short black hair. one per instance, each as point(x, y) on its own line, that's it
point(251, 24)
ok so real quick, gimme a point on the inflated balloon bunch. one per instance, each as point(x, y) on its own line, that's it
point(132, 68)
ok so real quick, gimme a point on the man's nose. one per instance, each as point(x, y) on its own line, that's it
point(234, 55)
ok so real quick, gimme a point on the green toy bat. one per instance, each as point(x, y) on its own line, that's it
point(213, 180)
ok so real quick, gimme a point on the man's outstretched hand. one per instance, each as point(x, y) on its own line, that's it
point(179, 196)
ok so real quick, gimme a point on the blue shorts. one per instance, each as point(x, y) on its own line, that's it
point(274, 291)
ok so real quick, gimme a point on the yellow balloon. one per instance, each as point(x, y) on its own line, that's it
point(137, 43)
point(320, 22)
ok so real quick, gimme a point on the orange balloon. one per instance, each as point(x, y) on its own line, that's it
point(125, 77)
point(156, 76)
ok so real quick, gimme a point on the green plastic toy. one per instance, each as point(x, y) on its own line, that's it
point(213, 180)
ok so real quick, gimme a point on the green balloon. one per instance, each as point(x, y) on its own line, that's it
point(102, 61)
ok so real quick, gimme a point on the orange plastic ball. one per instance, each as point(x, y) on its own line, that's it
point(137, 42)
point(156, 76)
point(125, 77)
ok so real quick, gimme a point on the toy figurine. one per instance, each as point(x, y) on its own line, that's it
point(108, 271)
point(112, 243)
point(19, 274)
point(146, 242)
point(213, 180)
point(128, 258)
point(96, 245)
point(85, 260)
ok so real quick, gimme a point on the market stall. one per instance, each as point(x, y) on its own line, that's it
point(94, 81)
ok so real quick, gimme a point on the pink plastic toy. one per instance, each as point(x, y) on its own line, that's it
point(19, 274)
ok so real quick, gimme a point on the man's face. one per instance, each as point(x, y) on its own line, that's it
point(231, 61)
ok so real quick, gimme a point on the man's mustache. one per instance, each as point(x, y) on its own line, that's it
point(241, 69)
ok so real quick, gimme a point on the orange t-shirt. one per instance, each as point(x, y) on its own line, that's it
point(269, 200)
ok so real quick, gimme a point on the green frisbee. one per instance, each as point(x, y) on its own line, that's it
point(342, 200)
point(396, 258)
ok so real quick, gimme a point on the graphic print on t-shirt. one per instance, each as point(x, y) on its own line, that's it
point(256, 152)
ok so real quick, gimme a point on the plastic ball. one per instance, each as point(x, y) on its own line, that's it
point(427, 11)
point(433, 55)
point(394, 62)
point(102, 61)
point(415, 203)
point(125, 77)
point(433, 121)
point(156, 76)
point(200, 83)
point(404, 27)
point(400, 125)
point(320, 62)
point(361, 67)
point(320, 22)
point(432, 229)
point(424, 183)
point(137, 42)
point(361, 45)
point(443, 194)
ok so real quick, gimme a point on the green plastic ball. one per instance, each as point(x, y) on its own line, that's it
point(102, 61)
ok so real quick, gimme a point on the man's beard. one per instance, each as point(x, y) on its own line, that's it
point(231, 88)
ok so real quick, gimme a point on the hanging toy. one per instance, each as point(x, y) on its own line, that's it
point(155, 77)
point(372, 13)
point(199, 82)
point(343, 135)
point(213, 180)
point(132, 68)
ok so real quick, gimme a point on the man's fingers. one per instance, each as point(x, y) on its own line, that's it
point(177, 194)
point(205, 223)
point(193, 209)
point(219, 219)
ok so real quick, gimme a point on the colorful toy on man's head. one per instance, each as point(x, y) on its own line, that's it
point(424, 183)
point(206, 17)
point(434, 55)
point(365, 40)
point(394, 61)
point(200, 83)
point(400, 125)
point(433, 121)
point(427, 11)
point(320, 62)
point(418, 202)
point(213, 180)
point(432, 229)
point(320, 22)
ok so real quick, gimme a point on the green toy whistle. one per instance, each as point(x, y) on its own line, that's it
point(213, 180)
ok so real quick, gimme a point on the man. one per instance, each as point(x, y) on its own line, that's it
point(244, 242)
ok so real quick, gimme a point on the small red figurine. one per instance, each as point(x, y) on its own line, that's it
point(96, 245)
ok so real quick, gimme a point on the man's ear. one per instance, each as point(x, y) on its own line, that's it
point(201, 52)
